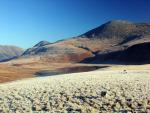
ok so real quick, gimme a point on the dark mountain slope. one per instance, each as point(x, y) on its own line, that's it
point(136, 54)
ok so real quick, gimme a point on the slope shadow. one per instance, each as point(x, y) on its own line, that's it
point(6, 60)
point(135, 55)
point(68, 70)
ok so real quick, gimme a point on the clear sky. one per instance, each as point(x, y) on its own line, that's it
point(26, 22)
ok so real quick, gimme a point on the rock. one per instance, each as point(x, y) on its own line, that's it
point(103, 93)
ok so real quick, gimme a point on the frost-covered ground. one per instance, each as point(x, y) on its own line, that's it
point(91, 92)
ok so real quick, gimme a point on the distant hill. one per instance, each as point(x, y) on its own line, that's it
point(57, 53)
point(113, 36)
point(9, 52)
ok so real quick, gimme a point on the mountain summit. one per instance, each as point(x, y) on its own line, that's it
point(42, 43)
point(111, 29)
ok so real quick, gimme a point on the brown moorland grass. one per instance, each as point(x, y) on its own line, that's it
point(17, 70)
point(20, 69)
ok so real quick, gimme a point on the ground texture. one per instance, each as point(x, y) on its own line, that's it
point(90, 92)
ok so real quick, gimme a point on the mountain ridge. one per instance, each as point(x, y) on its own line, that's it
point(112, 36)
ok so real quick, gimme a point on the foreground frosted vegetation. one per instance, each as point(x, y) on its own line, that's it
point(91, 92)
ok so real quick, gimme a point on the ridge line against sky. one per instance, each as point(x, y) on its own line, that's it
point(26, 22)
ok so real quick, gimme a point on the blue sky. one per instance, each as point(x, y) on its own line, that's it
point(26, 22)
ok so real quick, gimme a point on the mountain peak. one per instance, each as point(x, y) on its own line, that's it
point(42, 43)
point(114, 28)
point(119, 22)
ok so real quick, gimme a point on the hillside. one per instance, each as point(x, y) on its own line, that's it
point(110, 37)
point(9, 52)
point(135, 54)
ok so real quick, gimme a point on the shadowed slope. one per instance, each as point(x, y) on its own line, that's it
point(136, 54)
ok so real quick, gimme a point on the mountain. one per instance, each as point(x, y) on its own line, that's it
point(57, 53)
point(111, 37)
point(112, 29)
point(42, 43)
point(9, 52)
point(120, 32)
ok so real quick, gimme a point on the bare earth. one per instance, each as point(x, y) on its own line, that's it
point(11, 71)
point(102, 91)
